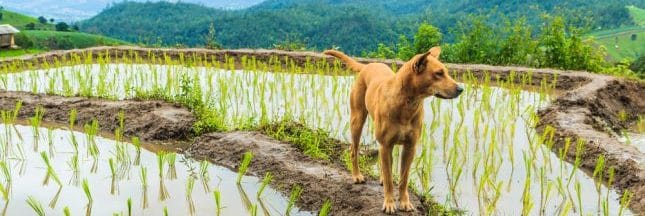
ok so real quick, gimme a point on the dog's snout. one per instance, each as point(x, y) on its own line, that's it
point(460, 89)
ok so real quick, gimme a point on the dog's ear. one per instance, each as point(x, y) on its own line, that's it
point(420, 64)
point(435, 51)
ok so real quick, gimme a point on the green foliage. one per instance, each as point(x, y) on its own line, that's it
point(53, 40)
point(426, 37)
point(405, 49)
point(638, 66)
point(315, 143)
point(23, 41)
point(62, 26)
point(210, 39)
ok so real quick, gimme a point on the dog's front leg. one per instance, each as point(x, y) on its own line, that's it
point(385, 154)
point(409, 150)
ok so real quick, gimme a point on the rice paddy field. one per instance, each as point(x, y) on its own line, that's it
point(479, 154)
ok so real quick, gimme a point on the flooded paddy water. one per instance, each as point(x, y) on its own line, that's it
point(121, 177)
point(479, 153)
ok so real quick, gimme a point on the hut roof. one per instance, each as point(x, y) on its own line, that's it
point(8, 29)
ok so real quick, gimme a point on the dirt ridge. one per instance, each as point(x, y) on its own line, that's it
point(321, 181)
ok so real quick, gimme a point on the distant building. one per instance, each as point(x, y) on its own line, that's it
point(7, 33)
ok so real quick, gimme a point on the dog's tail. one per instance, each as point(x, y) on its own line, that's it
point(351, 63)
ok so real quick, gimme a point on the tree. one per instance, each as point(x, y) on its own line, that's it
point(42, 19)
point(51, 20)
point(75, 27)
point(62, 26)
point(210, 39)
point(405, 49)
point(426, 37)
point(30, 26)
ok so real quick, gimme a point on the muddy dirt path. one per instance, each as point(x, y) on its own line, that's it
point(148, 120)
point(291, 167)
point(591, 113)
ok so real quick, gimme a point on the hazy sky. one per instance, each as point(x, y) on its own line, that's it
point(73, 10)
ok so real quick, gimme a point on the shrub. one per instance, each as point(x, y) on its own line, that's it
point(23, 41)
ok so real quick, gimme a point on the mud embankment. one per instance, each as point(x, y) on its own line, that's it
point(148, 120)
point(593, 113)
point(290, 167)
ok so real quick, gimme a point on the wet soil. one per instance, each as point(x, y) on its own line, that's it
point(290, 167)
point(148, 120)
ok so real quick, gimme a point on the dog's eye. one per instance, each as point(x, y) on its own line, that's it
point(439, 73)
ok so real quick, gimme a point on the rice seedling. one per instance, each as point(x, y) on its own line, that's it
point(137, 144)
point(217, 196)
point(265, 181)
point(66, 211)
point(189, 195)
point(86, 190)
point(50, 170)
point(172, 169)
point(36, 206)
point(244, 165)
point(35, 123)
point(129, 206)
point(295, 195)
point(325, 209)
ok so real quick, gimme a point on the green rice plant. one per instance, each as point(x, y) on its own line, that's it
point(244, 165)
point(137, 144)
point(86, 190)
point(6, 173)
point(265, 181)
point(36, 206)
point(254, 210)
point(217, 196)
point(625, 200)
point(4, 191)
point(325, 209)
point(129, 206)
point(161, 158)
point(189, 195)
point(295, 195)
point(165, 211)
point(172, 170)
point(203, 169)
point(50, 170)
point(35, 124)
point(66, 211)
point(144, 176)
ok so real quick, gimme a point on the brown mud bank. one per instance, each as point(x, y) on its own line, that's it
point(596, 113)
point(148, 120)
point(290, 167)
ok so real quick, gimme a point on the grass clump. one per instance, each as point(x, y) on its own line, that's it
point(316, 143)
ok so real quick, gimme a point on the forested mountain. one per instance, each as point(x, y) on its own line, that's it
point(353, 25)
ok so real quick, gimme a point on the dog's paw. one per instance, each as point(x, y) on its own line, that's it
point(389, 207)
point(358, 179)
point(406, 206)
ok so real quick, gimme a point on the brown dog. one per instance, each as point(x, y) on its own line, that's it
point(395, 104)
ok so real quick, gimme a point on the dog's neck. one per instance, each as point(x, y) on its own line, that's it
point(409, 93)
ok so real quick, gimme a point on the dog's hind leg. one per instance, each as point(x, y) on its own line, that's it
point(358, 113)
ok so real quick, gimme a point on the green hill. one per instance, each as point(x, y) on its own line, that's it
point(45, 38)
point(637, 14)
point(625, 42)
point(21, 21)
point(352, 25)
